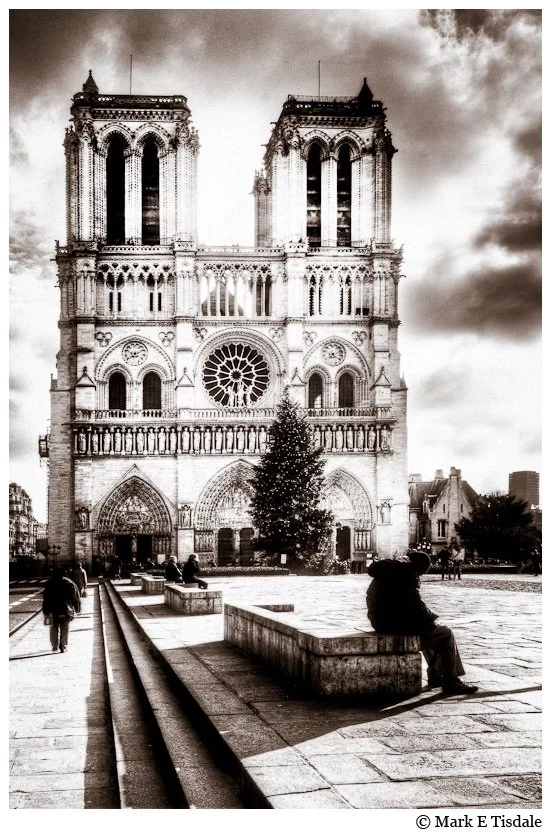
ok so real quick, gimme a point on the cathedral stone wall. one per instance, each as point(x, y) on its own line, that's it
point(174, 356)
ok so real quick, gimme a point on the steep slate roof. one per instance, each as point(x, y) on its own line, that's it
point(418, 491)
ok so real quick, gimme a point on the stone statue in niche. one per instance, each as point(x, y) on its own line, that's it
point(229, 439)
point(385, 513)
point(371, 437)
point(384, 438)
point(262, 439)
point(82, 518)
point(185, 440)
point(151, 441)
point(117, 445)
point(360, 438)
point(82, 442)
point(196, 440)
point(207, 440)
point(107, 441)
point(219, 439)
point(128, 441)
point(317, 437)
point(328, 438)
point(162, 440)
point(252, 439)
point(185, 517)
point(95, 442)
point(140, 442)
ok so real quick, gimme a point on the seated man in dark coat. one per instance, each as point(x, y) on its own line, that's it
point(190, 572)
point(395, 607)
point(172, 572)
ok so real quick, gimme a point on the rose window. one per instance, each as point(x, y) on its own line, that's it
point(236, 375)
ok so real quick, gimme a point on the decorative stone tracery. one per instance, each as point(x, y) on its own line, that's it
point(135, 507)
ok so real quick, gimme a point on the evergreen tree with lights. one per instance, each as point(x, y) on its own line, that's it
point(287, 487)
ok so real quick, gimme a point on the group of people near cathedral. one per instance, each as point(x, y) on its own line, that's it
point(188, 574)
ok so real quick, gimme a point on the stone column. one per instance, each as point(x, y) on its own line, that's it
point(133, 197)
point(329, 201)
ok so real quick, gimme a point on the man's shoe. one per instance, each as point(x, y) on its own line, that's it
point(458, 688)
point(63, 649)
point(54, 649)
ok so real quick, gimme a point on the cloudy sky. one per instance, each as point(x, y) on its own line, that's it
point(462, 92)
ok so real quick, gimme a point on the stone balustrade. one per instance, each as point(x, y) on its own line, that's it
point(229, 414)
point(130, 440)
point(327, 662)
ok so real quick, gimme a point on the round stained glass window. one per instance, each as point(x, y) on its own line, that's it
point(236, 375)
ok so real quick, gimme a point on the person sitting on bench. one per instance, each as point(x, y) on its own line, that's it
point(172, 571)
point(190, 572)
point(395, 607)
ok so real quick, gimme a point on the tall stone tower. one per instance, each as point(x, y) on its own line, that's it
point(173, 356)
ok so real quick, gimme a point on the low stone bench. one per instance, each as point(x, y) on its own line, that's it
point(153, 586)
point(188, 600)
point(136, 578)
point(327, 661)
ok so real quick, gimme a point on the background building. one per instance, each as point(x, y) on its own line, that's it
point(22, 524)
point(436, 506)
point(526, 486)
point(173, 356)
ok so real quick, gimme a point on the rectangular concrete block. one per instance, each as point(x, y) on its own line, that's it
point(193, 601)
point(153, 586)
point(328, 663)
point(136, 578)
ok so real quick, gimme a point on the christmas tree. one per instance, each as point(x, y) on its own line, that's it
point(287, 488)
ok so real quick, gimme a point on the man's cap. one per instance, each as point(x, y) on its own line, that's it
point(419, 560)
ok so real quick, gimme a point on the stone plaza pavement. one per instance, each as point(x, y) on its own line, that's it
point(482, 751)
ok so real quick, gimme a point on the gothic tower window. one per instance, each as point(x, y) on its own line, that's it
point(115, 191)
point(315, 294)
point(346, 390)
point(111, 294)
point(315, 391)
point(151, 392)
point(117, 392)
point(313, 196)
point(263, 295)
point(150, 195)
point(344, 194)
point(120, 285)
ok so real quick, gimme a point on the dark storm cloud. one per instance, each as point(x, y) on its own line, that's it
point(502, 302)
point(528, 142)
point(468, 22)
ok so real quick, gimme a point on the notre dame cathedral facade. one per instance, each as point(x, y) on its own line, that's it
point(173, 356)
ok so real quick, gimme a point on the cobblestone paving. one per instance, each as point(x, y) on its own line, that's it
point(478, 751)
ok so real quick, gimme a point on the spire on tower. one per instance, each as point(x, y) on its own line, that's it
point(90, 86)
point(365, 95)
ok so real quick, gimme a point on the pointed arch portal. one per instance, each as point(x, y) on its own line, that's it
point(134, 523)
point(223, 520)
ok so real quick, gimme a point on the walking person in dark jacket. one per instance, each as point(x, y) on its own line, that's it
point(80, 578)
point(191, 572)
point(172, 570)
point(445, 559)
point(395, 607)
point(60, 602)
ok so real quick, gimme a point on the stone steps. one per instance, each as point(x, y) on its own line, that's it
point(194, 772)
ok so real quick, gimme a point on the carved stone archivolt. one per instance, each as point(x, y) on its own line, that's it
point(343, 488)
point(225, 501)
point(135, 507)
